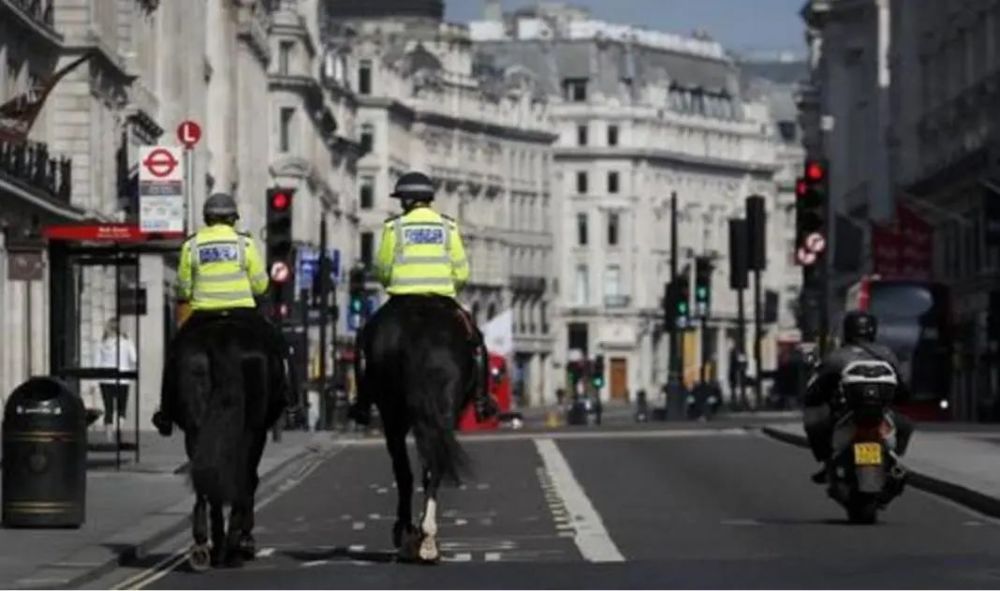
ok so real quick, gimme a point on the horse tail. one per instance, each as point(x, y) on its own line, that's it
point(433, 419)
point(219, 454)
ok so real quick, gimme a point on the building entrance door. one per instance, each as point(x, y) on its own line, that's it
point(619, 379)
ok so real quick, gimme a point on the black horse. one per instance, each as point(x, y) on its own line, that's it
point(417, 363)
point(229, 387)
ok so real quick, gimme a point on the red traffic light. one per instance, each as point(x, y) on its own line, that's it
point(280, 201)
point(815, 171)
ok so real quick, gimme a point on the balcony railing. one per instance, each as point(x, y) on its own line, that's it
point(616, 301)
point(30, 163)
point(526, 283)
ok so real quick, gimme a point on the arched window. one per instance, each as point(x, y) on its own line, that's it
point(491, 311)
point(475, 312)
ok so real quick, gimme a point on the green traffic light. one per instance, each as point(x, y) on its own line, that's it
point(682, 307)
point(356, 305)
point(702, 293)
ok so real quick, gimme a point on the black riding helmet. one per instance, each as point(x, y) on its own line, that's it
point(414, 186)
point(859, 326)
point(220, 208)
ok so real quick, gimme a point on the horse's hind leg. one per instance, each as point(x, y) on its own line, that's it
point(248, 546)
point(396, 442)
point(200, 557)
point(429, 551)
point(218, 521)
point(232, 553)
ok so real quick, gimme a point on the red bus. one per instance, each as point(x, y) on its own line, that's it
point(499, 389)
point(914, 321)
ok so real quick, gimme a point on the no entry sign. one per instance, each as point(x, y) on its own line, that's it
point(161, 189)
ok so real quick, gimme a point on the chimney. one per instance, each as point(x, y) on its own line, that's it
point(493, 12)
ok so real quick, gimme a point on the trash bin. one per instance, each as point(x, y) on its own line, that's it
point(44, 456)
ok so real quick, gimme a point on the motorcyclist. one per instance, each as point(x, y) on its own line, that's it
point(430, 260)
point(859, 331)
point(219, 274)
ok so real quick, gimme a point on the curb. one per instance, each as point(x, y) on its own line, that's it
point(134, 543)
point(971, 499)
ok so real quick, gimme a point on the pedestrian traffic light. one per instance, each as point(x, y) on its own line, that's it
point(703, 285)
point(811, 194)
point(597, 372)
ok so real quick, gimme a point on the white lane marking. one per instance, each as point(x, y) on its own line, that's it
point(973, 523)
point(313, 563)
point(374, 516)
point(492, 556)
point(461, 521)
point(168, 564)
point(460, 557)
point(383, 491)
point(358, 525)
point(265, 552)
point(591, 537)
point(356, 548)
point(483, 486)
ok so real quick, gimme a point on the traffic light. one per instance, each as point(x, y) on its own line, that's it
point(356, 283)
point(703, 285)
point(575, 372)
point(597, 372)
point(682, 301)
point(811, 194)
point(279, 247)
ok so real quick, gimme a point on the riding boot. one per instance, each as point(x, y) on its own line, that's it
point(162, 423)
point(822, 475)
point(360, 412)
point(484, 405)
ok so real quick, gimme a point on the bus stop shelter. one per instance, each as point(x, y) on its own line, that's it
point(72, 248)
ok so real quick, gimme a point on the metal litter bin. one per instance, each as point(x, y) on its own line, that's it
point(44, 456)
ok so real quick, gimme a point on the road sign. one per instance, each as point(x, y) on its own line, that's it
point(189, 132)
point(279, 272)
point(815, 243)
point(308, 267)
point(334, 254)
point(98, 233)
point(161, 189)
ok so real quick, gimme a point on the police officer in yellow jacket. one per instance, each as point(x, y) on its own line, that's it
point(421, 252)
point(220, 272)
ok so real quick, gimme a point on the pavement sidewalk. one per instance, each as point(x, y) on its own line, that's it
point(128, 510)
point(962, 465)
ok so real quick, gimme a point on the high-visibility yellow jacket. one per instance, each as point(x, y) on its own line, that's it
point(421, 252)
point(220, 269)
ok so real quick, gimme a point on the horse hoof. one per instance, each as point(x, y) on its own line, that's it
point(410, 542)
point(200, 558)
point(428, 551)
point(248, 547)
point(402, 532)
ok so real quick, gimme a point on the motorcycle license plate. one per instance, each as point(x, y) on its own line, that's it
point(867, 454)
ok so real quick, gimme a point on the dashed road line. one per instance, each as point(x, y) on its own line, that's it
point(591, 536)
point(265, 552)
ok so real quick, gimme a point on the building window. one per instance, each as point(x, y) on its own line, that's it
point(582, 285)
point(367, 138)
point(581, 229)
point(576, 337)
point(287, 116)
point(365, 77)
point(367, 192)
point(613, 228)
point(285, 57)
point(491, 312)
point(581, 135)
point(612, 135)
point(367, 248)
point(613, 182)
point(788, 130)
point(581, 182)
point(612, 281)
point(575, 90)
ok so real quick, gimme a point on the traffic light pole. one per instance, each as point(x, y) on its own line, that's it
point(704, 348)
point(758, 386)
point(675, 360)
point(741, 337)
point(324, 310)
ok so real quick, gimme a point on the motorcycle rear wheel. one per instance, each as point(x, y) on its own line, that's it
point(863, 509)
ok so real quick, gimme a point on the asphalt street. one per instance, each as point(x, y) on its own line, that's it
point(698, 507)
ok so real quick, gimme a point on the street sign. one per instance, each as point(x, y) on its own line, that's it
point(189, 132)
point(95, 233)
point(279, 272)
point(25, 265)
point(308, 266)
point(334, 254)
point(161, 189)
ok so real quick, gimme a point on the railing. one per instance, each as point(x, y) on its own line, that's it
point(30, 163)
point(528, 284)
point(616, 301)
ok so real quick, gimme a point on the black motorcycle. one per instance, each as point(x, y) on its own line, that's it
point(865, 474)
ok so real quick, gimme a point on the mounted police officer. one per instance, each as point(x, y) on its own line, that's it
point(219, 274)
point(421, 253)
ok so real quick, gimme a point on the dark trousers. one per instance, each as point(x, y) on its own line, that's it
point(115, 399)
